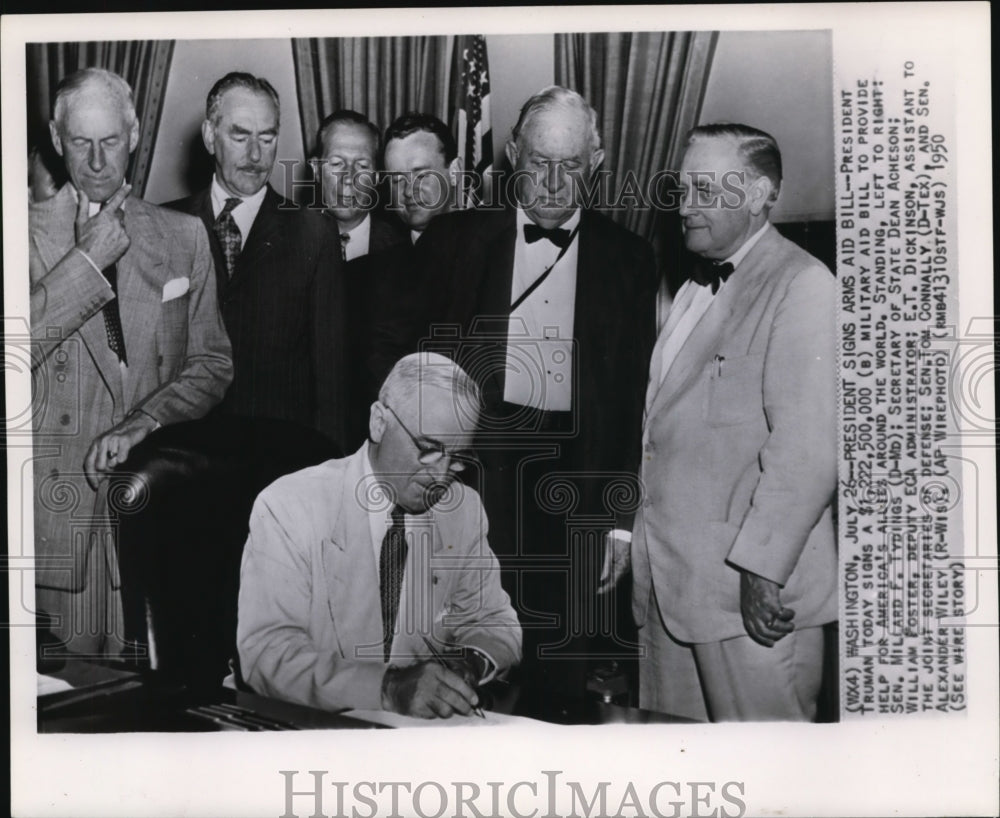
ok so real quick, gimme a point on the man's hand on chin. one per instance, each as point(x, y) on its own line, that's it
point(112, 448)
point(427, 690)
point(764, 618)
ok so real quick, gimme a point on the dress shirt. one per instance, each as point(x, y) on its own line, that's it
point(244, 213)
point(379, 520)
point(541, 328)
point(360, 239)
point(691, 303)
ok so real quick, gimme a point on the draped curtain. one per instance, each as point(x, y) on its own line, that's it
point(648, 90)
point(380, 77)
point(143, 64)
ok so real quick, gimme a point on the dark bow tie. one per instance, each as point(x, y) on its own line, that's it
point(711, 274)
point(559, 236)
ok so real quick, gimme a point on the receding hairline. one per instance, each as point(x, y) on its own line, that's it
point(90, 82)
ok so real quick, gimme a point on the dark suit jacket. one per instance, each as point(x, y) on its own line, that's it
point(465, 261)
point(284, 310)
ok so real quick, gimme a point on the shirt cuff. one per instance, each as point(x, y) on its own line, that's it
point(489, 665)
point(620, 534)
point(90, 261)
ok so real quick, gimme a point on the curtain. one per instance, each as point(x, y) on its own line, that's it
point(143, 64)
point(648, 90)
point(380, 77)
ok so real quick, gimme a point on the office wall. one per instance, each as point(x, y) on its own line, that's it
point(781, 82)
point(520, 65)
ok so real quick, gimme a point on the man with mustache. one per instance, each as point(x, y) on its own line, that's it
point(733, 555)
point(126, 338)
point(555, 303)
point(352, 566)
point(278, 269)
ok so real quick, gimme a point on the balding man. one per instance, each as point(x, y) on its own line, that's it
point(127, 338)
point(734, 557)
point(555, 304)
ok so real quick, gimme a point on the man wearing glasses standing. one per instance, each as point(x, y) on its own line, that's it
point(358, 571)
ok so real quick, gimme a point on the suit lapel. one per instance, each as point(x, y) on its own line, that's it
point(702, 344)
point(202, 208)
point(54, 238)
point(140, 281)
point(494, 299)
point(262, 241)
point(349, 565)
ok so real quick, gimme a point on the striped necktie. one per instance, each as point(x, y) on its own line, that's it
point(392, 563)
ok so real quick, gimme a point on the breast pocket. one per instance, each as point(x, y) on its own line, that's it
point(735, 390)
point(172, 330)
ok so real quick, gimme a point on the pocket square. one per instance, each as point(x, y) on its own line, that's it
point(175, 288)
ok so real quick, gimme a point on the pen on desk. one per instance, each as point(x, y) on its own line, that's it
point(440, 660)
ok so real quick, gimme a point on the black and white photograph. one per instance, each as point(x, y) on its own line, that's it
point(619, 382)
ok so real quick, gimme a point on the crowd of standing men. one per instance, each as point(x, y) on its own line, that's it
point(709, 477)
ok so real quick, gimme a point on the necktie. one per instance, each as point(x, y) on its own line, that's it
point(229, 235)
point(344, 238)
point(112, 316)
point(559, 236)
point(712, 274)
point(392, 563)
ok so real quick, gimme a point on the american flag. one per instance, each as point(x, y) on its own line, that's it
point(475, 137)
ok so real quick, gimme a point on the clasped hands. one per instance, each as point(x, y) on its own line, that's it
point(428, 689)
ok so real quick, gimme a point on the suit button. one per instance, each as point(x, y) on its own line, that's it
point(159, 360)
point(64, 420)
point(54, 473)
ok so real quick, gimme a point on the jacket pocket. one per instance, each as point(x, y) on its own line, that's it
point(735, 390)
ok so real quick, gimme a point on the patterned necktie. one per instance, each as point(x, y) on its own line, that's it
point(712, 274)
point(344, 238)
point(112, 314)
point(392, 563)
point(112, 317)
point(229, 235)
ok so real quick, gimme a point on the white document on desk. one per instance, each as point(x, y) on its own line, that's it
point(390, 719)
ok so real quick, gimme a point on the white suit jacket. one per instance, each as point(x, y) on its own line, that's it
point(310, 620)
point(739, 462)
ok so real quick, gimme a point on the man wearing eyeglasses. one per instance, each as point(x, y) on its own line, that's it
point(358, 571)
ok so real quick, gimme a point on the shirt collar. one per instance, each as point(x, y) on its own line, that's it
point(746, 247)
point(95, 207)
point(219, 196)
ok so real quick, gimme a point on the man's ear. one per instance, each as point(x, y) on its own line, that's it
point(376, 422)
point(510, 151)
point(133, 135)
point(759, 194)
point(208, 136)
point(596, 160)
point(56, 141)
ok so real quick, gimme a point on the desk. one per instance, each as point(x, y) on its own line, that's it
point(111, 698)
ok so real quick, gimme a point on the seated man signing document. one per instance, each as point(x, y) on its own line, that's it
point(360, 573)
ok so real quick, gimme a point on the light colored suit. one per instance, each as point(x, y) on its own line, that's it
point(739, 459)
point(178, 367)
point(310, 621)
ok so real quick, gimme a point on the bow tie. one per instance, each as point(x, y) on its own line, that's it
point(559, 236)
point(711, 274)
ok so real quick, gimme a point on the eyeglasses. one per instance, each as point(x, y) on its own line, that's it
point(429, 454)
